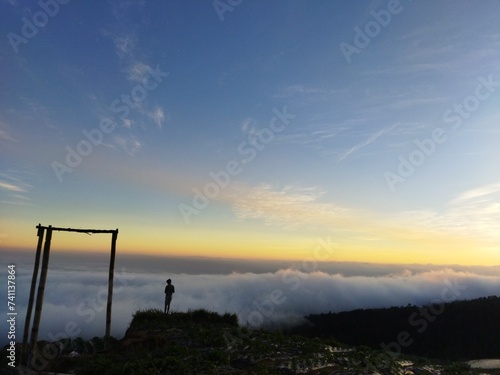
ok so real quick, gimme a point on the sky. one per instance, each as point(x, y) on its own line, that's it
point(288, 130)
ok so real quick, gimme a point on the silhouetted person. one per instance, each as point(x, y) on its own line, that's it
point(169, 290)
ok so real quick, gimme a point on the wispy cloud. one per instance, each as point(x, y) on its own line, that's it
point(474, 213)
point(23, 202)
point(309, 93)
point(4, 135)
point(246, 125)
point(124, 44)
point(158, 116)
point(293, 206)
point(460, 227)
point(128, 143)
point(15, 189)
point(372, 138)
point(477, 211)
point(303, 90)
point(477, 192)
point(128, 123)
point(138, 72)
point(290, 206)
point(11, 187)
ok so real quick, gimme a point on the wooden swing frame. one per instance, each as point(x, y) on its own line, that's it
point(30, 347)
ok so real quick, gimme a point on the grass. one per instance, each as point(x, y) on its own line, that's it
point(205, 342)
point(156, 318)
point(179, 343)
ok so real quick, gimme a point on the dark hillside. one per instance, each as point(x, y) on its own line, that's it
point(458, 330)
point(201, 342)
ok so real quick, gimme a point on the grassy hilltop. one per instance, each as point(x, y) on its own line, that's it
point(203, 342)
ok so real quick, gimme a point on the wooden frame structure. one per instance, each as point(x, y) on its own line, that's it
point(29, 347)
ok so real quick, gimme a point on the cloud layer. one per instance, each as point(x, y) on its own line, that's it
point(75, 298)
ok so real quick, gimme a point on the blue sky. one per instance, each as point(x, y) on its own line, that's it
point(184, 88)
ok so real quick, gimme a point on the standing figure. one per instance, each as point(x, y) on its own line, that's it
point(169, 290)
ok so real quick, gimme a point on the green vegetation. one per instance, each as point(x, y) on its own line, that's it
point(178, 343)
point(157, 318)
point(203, 342)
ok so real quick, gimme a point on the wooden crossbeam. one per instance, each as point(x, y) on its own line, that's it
point(81, 230)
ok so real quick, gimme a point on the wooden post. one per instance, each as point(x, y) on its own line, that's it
point(41, 290)
point(110, 287)
point(27, 322)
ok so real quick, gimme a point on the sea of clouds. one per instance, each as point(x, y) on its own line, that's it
point(269, 293)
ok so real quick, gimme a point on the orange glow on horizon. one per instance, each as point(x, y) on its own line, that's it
point(236, 243)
